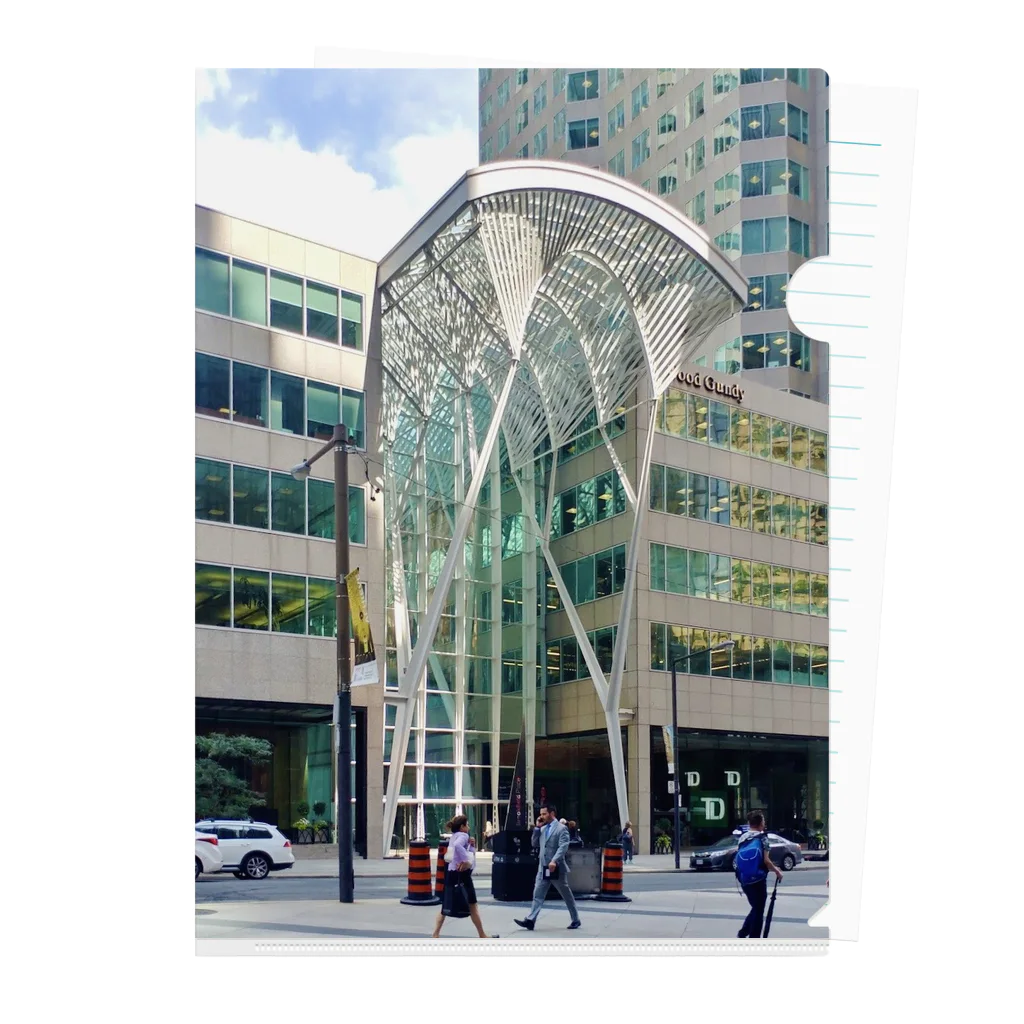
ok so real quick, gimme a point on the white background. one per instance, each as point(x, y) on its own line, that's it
point(98, 673)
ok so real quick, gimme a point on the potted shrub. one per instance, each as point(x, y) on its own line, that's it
point(303, 830)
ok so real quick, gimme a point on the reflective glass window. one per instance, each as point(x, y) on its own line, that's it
point(819, 665)
point(569, 510)
point(657, 486)
point(782, 661)
point(351, 320)
point(251, 603)
point(677, 491)
point(288, 603)
point(740, 586)
point(742, 656)
point(761, 435)
point(781, 519)
point(323, 409)
point(251, 501)
point(721, 660)
point(604, 647)
point(674, 407)
point(678, 648)
point(801, 664)
point(353, 415)
point(739, 430)
point(658, 648)
point(212, 282)
point(819, 523)
point(782, 581)
point(213, 595)
point(739, 506)
point(657, 566)
point(698, 573)
point(751, 123)
point(605, 495)
point(819, 451)
point(719, 577)
point(321, 311)
point(799, 510)
point(618, 568)
point(698, 496)
point(582, 85)
point(761, 576)
point(585, 583)
point(720, 499)
point(287, 403)
point(761, 501)
point(604, 573)
point(586, 514)
point(780, 442)
point(718, 431)
point(799, 447)
point(801, 591)
point(288, 506)
point(250, 395)
point(213, 390)
point(676, 578)
point(213, 490)
point(285, 302)
point(819, 593)
point(700, 640)
point(571, 667)
point(762, 659)
point(322, 608)
point(249, 292)
point(754, 352)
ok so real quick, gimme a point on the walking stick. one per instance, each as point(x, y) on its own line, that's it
point(771, 910)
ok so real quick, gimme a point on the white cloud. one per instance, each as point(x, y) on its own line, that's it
point(209, 84)
point(320, 196)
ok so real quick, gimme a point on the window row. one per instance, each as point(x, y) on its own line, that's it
point(260, 397)
point(268, 500)
point(758, 658)
point(738, 580)
point(592, 501)
point(776, 234)
point(767, 291)
point(681, 492)
point(774, 120)
point(692, 416)
point(775, 178)
point(565, 662)
point(260, 295)
point(255, 599)
point(760, 351)
point(589, 578)
point(589, 436)
point(798, 76)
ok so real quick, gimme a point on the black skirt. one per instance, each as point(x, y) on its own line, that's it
point(459, 894)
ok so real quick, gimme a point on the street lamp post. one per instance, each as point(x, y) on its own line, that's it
point(339, 444)
point(675, 738)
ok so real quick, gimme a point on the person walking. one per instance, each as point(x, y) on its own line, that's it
point(627, 842)
point(459, 892)
point(752, 865)
point(552, 869)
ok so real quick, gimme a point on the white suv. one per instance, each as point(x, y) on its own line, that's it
point(251, 849)
point(208, 856)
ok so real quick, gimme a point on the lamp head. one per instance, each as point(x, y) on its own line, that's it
point(301, 471)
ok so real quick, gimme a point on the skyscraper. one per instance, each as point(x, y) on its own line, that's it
point(743, 152)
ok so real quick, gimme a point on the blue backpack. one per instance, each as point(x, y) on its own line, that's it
point(750, 862)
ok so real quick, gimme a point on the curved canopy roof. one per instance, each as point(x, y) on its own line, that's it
point(590, 283)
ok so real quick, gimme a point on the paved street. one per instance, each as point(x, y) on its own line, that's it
point(687, 906)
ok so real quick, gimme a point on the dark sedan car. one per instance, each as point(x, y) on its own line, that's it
point(721, 855)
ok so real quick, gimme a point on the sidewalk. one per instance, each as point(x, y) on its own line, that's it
point(394, 867)
point(685, 914)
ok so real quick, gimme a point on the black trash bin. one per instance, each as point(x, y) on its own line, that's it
point(513, 867)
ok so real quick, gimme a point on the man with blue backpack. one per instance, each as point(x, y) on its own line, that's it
point(752, 865)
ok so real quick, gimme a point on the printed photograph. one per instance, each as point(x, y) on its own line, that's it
point(512, 507)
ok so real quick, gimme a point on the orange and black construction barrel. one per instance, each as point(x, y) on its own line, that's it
point(442, 868)
point(611, 875)
point(420, 892)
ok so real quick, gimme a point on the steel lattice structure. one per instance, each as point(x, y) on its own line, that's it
point(532, 296)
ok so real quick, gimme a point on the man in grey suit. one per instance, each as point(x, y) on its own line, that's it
point(552, 869)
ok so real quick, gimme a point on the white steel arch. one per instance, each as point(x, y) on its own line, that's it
point(531, 294)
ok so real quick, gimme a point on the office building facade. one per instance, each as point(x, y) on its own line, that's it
point(284, 350)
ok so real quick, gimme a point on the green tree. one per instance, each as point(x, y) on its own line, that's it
point(220, 793)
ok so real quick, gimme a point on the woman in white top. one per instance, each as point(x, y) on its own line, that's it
point(459, 892)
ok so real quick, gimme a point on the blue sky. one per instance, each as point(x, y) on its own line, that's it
point(350, 157)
